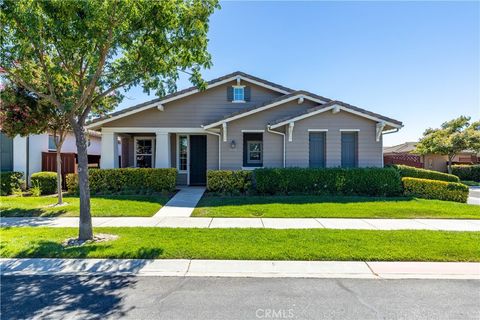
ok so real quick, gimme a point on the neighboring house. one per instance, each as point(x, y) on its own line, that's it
point(404, 154)
point(37, 152)
point(242, 122)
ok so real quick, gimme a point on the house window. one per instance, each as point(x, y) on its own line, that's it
point(238, 94)
point(252, 149)
point(51, 142)
point(182, 153)
point(144, 153)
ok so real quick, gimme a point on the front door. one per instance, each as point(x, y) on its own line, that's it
point(198, 160)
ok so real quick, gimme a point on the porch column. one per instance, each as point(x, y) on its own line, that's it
point(162, 150)
point(109, 155)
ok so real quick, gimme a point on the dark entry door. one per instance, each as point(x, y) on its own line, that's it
point(317, 149)
point(198, 160)
point(349, 149)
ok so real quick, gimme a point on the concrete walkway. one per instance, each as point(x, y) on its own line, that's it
point(273, 223)
point(474, 196)
point(243, 268)
point(182, 203)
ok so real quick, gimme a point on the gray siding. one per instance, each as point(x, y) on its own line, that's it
point(195, 110)
point(369, 150)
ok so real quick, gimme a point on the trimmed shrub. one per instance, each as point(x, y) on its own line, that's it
point(72, 182)
point(467, 172)
point(412, 172)
point(135, 180)
point(47, 181)
point(229, 181)
point(10, 181)
point(435, 189)
point(333, 181)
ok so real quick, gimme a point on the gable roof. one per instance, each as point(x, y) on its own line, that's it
point(267, 105)
point(405, 147)
point(341, 106)
point(186, 92)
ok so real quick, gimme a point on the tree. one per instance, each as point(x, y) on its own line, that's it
point(451, 138)
point(78, 54)
point(22, 113)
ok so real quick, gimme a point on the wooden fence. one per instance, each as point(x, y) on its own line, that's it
point(401, 158)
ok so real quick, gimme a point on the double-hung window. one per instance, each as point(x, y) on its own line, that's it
point(144, 153)
point(239, 94)
point(182, 153)
point(252, 149)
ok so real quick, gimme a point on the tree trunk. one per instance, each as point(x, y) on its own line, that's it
point(85, 231)
point(449, 166)
point(59, 176)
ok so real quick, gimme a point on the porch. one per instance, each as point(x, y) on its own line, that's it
point(190, 150)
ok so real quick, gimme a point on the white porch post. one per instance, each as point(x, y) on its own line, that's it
point(162, 150)
point(109, 155)
point(20, 155)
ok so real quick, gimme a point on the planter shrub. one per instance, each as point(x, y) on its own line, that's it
point(332, 181)
point(132, 180)
point(412, 172)
point(46, 180)
point(229, 181)
point(467, 172)
point(9, 181)
point(435, 189)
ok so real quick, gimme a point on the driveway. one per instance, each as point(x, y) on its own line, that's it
point(474, 196)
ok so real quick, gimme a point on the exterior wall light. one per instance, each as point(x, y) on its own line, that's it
point(233, 145)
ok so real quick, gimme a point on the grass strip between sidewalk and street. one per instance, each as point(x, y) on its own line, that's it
point(246, 244)
point(332, 207)
point(102, 206)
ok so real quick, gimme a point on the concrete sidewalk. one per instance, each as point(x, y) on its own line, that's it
point(243, 268)
point(474, 196)
point(273, 223)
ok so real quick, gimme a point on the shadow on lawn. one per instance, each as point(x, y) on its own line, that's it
point(37, 212)
point(219, 201)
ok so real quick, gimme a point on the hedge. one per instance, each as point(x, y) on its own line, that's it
point(332, 181)
point(435, 189)
point(9, 181)
point(46, 180)
point(229, 181)
point(135, 180)
point(412, 172)
point(467, 172)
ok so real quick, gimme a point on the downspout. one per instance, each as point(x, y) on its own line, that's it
point(219, 147)
point(284, 149)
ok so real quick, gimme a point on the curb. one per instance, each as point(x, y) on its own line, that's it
point(242, 268)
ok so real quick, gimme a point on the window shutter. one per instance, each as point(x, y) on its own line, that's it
point(246, 93)
point(229, 93)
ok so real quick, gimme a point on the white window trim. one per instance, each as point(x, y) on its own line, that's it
point(233, 94)
point(317, 130)
point(135, 139)
point(253, 131)
point(188, 154)
point(252, 168)
point(349, 130)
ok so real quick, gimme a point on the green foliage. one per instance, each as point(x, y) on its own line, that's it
point(331, 181)
point(10, 181)
point(412, 172)
point(35, 190)
point(229, 181)
point(467, 172)
point(435, 189)
point(72, 183)
point(451, 138)
point(136, 180)
point(47, 181)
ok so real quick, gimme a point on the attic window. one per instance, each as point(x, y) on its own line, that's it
point(238, 94)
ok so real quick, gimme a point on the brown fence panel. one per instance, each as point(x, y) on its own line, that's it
point(406, 159)
point(69, 164)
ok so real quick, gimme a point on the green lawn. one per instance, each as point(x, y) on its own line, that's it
point(332, 207)
point(101, 206)
point(262, 244)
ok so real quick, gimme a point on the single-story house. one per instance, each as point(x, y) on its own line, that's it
point(242, 122)
point(404, 153)
point(37, 152)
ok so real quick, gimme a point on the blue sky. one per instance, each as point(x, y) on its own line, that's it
point(418, 62)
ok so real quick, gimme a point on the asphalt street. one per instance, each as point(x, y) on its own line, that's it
point(113, 297)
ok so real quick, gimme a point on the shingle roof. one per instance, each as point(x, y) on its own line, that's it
point(193, 88)
point(343, 104)
point(400, 148)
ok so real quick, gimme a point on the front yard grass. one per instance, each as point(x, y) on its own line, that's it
point(101, 206)
point(249, 244)
point(332, 207)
